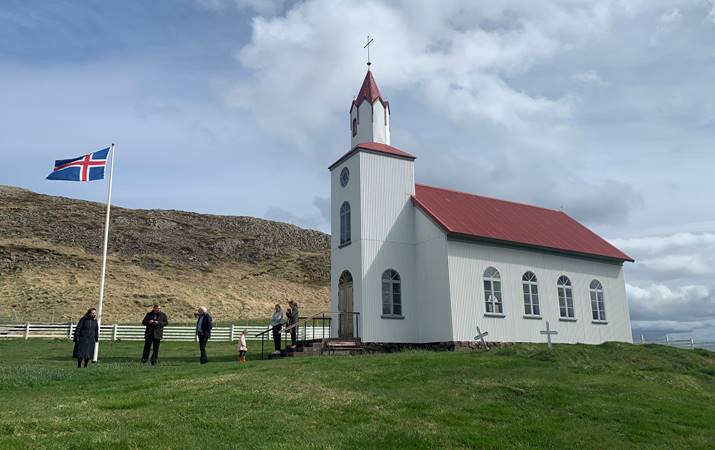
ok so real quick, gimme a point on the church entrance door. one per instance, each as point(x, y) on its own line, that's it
point(345, 305)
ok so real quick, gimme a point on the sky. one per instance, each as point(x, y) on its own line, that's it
point(603, 108)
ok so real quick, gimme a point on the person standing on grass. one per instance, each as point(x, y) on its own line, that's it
point(276, 324)
point(154, 321)
point(204, 324)
point(242, 348)
point(86, 335)
point(293, 313)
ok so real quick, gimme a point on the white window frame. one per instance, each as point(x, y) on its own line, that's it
point(391, 295)
point(598, 301)
point(345, 237)
point(564, 290)
point(493, 304)
point(530, 289)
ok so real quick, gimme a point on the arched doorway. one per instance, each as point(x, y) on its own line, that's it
point(345, 305)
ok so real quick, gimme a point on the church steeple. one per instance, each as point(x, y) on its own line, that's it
point(369, 114)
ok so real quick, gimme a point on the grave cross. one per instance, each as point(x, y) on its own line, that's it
point(367, 46)
point(548, 332)
point(480, 335)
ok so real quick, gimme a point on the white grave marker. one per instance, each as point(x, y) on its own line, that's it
point(480, 336)
point(548, 332)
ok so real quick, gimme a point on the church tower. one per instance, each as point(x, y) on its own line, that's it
point(372, 229)
point(369, 115)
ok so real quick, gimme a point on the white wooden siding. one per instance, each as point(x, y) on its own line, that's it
point(348, 257)
point(435, 317)
point(467, 262)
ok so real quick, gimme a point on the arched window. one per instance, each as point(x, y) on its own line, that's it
point(598, 308)
point(355, 127)
point(345, 223)
point(492, 291)
point(565, 297)
point(391, 293)
point(531, 294)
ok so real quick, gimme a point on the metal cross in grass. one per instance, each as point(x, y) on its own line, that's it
point(548, 332)
point(480, 336)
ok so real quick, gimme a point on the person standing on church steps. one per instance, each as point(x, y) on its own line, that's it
point(204, 324)
point(293, 313)
point(154, 321)
point(276, 324)
point(86, 335)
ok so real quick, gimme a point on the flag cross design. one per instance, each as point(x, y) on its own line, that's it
point(89, 167)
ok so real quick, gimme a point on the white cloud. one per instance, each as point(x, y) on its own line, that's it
point(590, 77)
point(460, 56)
point(671, 16)
point(659, 244)
point(660, 302)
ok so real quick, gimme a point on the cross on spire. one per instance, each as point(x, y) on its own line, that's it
point(367, 46)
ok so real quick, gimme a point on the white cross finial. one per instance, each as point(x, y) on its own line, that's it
point(548, 332)
point(367, 46)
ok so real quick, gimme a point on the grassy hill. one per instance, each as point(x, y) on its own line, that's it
point(239, 267)
point(607, 396)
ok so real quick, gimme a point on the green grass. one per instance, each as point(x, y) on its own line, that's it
point(609, 396)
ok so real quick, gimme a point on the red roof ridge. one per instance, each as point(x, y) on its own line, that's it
point(492, 198)
point(496, 220)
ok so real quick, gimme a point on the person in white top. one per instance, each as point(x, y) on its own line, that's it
point(242, 349)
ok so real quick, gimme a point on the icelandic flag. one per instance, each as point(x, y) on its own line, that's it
point(84, 168)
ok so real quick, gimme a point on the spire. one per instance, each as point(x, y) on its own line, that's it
point(368, 90)
point(370, 123)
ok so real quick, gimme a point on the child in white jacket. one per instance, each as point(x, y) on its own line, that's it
point(242, 349)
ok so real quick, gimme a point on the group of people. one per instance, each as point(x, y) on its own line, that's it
point(292, 314)
point(86, 335)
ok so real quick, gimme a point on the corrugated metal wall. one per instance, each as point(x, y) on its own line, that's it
point(348, 257)
point(387, 242)
point(467, 262)
point(435, 316)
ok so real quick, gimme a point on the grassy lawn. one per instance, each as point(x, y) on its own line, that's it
point(609, 396)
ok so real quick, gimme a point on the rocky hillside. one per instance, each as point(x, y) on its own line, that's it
point(50, 254)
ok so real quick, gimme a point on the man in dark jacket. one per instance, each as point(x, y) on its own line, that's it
point(204, 324)
point(154, 321)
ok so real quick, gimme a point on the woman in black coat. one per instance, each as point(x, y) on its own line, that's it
point(86, 334)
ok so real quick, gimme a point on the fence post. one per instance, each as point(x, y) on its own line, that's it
point(114, 332)
point(667, 340)
point(692, 344)
point(27, 331)
point(233, 332)
point(69, 330)
point(642, 339)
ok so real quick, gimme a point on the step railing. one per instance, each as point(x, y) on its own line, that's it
point(320, 318)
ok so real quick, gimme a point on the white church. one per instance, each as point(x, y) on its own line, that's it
point(419, 264)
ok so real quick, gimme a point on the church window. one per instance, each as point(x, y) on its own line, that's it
point(345, 223)
point(492, 291)
point(565, 293)
point(391, 293)
point(531, 294)
point(355, 127)
point(598, 308)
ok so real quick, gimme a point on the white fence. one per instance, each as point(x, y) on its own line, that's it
point(117, 332)
point(681, 343)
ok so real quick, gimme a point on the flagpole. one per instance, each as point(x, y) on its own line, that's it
point(104, 255)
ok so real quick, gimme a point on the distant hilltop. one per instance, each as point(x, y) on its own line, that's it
point(50, 252)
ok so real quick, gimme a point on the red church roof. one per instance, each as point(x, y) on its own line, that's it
point(374, 147)
point(368, 91)
point(488, 219)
